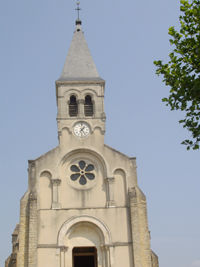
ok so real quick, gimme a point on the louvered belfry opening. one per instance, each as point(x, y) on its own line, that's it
point(73, 107)
point(88, 106)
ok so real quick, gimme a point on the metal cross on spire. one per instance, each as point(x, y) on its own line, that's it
point(78, 8)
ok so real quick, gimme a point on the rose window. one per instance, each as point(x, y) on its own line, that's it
point(82, 172)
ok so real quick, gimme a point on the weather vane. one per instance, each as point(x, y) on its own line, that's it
point(78, 8)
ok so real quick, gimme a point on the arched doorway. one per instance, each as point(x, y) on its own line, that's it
point(87, 237)
point(85, 257)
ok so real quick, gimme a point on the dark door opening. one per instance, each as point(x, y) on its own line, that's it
point(84, 257)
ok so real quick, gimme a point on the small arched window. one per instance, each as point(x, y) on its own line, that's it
point(73, 108)
point(88, 106)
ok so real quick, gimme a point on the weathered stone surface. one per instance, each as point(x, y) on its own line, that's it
point(154, 257)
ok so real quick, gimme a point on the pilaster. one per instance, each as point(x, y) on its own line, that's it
point(32, 243)
point(80, 103)
point(56, 194)
point(24, 231)
point(139, 227)
point(110, 192)
point(106, 256)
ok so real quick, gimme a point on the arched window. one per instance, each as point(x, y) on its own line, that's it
point(73, 108)
point(88, 106)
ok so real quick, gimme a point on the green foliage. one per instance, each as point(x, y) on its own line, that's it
point(182, 72)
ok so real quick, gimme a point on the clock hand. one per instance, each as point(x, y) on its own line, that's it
point(81, 130)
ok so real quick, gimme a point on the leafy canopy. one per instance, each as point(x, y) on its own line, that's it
point(182, 72)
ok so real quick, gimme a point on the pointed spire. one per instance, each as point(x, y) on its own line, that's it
point(79, 65)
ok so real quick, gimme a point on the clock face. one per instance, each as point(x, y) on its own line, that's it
point(81, 130)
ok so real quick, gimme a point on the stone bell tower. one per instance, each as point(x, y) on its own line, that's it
point(83, 206)
point(80, 95)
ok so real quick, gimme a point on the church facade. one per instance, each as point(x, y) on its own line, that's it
point(83, 206)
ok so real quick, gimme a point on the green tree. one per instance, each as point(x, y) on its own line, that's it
point(182, 72)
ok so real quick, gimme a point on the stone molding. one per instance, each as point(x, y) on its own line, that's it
point(47, 246)
point(62, 248)
point(56, 181)
point(117, 244)
point(83, 117)
point(72, 83)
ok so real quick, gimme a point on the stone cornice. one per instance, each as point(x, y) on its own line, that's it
point(116, 244)
point(58, 83)
point(62, 248)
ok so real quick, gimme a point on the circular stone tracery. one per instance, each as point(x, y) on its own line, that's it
point(82, 172)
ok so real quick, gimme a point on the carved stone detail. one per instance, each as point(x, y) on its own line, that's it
point(56, 181)
point(110, 180)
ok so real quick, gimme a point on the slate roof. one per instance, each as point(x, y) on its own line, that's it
point(79, 65)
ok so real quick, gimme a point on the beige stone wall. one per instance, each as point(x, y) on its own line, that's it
point(93, 194)
point(126, 260)
point(47, 257)
point(85, 233)
point(114, 218)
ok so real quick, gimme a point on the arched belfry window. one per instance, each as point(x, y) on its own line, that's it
point(73, 107)
point(88, 106)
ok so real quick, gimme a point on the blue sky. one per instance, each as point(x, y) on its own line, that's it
point(124, 37)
